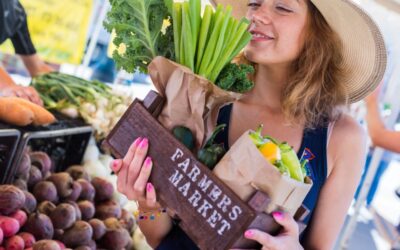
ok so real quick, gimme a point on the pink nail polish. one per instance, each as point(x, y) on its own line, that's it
point(143, 143)
point(137, 141)
point(278, 215)
point(248, 233)
point(149, 187)
point(115, 165)
point(147, 162)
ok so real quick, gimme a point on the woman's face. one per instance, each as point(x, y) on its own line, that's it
point(278, 29)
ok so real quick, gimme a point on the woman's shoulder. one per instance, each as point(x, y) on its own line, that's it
point(347, 144)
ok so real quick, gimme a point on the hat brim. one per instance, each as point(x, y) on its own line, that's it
point(364, 52)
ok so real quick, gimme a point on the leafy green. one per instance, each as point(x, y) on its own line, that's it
point(234, 77)
point(138, 26)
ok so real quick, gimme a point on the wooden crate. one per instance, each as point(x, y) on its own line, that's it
point(211, 214)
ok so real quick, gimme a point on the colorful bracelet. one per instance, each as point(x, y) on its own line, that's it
point(151, 215)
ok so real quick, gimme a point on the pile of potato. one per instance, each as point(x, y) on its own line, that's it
point(66, 210)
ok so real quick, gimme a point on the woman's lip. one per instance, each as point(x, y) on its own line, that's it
point(261, 39)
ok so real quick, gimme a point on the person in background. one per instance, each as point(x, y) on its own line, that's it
point(13, 25)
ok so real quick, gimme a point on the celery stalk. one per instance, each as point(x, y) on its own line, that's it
point(187, 37)
point(231, 46)
point(220, 41)
point(195, 19)
point(204, 34)
point(211, 45)
point(177, 22)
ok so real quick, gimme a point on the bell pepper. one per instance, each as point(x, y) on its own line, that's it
point(289, 158)
point(211, 153)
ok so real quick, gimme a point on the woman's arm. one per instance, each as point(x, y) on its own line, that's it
point(380, 135)
point(346, 158)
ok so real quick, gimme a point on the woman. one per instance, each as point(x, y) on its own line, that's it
point(312, 58)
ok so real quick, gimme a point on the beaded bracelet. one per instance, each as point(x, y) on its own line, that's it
point(151, 215)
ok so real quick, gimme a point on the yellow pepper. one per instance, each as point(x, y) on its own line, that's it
point(270, 151)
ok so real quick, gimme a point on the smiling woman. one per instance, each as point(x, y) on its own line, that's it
point(312, 57)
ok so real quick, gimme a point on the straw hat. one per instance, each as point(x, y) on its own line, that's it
point(363, 46)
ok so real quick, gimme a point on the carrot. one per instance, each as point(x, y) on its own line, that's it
point(41, 115)
point(14, 113)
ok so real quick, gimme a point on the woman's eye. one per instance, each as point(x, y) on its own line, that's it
point(283, 9)
point(253, 5)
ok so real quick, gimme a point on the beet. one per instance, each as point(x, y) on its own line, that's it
point(20, 183)
point(1, 236)
point(78, 172)
point(58, 233)
point(41, 160)
point(115, 239)
point(11, 199)
point(76, 192)
point(63, 183)
point(104, 189)
point(46, 245)
point(78, 213)
point(79, 234)
point(30, 203)
point(63, 216)
point(22, 176)
point(108, 209)
point(40, 226)
point(15, 243)
point(45, 191)
point(28, 238)
point(113, 223)
point(35, 175)
point(99, 229)
point(24, 165)
point(83, 248)
point(88, 192)
point(60, 244)
point(87, 210)
point(127, 220)
point(46, 207)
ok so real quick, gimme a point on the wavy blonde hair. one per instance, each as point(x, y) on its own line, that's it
point(315, 93)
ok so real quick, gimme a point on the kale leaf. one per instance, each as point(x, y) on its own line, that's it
point(138, 25)
point(235, 78)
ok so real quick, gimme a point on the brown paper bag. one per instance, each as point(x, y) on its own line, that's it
point(191, 101)
point(244, 169)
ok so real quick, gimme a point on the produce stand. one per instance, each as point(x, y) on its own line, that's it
point(64, 141)
point(9, 139)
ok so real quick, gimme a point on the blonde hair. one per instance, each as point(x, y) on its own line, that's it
point(315, 93)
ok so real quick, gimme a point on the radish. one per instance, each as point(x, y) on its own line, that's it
point(28, 238)
point(15, 243)
point(20, 216)
point(9, 226)
point(1, 236)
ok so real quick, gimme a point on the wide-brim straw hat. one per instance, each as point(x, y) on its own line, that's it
point(364, 51)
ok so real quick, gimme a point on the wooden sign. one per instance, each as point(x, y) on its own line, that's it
point(211, 214)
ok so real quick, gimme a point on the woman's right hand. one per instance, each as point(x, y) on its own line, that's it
point(133, 172)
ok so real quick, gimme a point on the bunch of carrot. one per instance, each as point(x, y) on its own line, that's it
point(206, 44)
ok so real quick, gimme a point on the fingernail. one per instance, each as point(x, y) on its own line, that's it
point(248, 233)
point(143, 143)
point(148, 162)
point(115, 165)
point(278, 215)
point(137, 141)
point(149, 187)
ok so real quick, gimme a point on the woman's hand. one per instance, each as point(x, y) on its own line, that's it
point(133, 172)
point(287, 239)
point(28, 93)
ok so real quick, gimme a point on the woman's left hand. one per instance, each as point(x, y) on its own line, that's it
point(288, 238)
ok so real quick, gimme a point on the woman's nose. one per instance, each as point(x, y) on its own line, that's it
point(262, 15)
